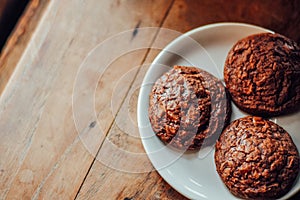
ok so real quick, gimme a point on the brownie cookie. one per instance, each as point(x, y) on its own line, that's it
point(186, 106)
point(262, 74)
point(256, 159)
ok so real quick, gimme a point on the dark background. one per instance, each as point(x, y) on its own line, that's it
point(10, 11)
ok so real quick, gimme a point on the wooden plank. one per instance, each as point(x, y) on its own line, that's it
point(183, 16)
point(42, 155)
point(19, 39)
point(278, 15)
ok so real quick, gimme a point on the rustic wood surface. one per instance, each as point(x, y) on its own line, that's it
point(53, 149)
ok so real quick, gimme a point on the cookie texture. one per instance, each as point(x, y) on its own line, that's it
point(256, 159)
point(188, 105)
point(262, 74)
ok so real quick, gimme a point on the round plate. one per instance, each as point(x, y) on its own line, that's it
point(194, 174)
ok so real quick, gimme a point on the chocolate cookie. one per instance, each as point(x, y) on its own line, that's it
point(256, 159)
point(188, 105)
point(262, 74)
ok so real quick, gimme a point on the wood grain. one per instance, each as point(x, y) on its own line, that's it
point(51, 146)
point(44, 157)
point(279, 15)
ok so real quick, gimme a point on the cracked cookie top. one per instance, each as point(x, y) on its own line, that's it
point(186, 106)
point(262, 74)
point(256, 159)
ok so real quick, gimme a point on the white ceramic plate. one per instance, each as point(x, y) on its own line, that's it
point(194, 174)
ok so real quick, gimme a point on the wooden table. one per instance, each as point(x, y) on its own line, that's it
point(50, 151)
